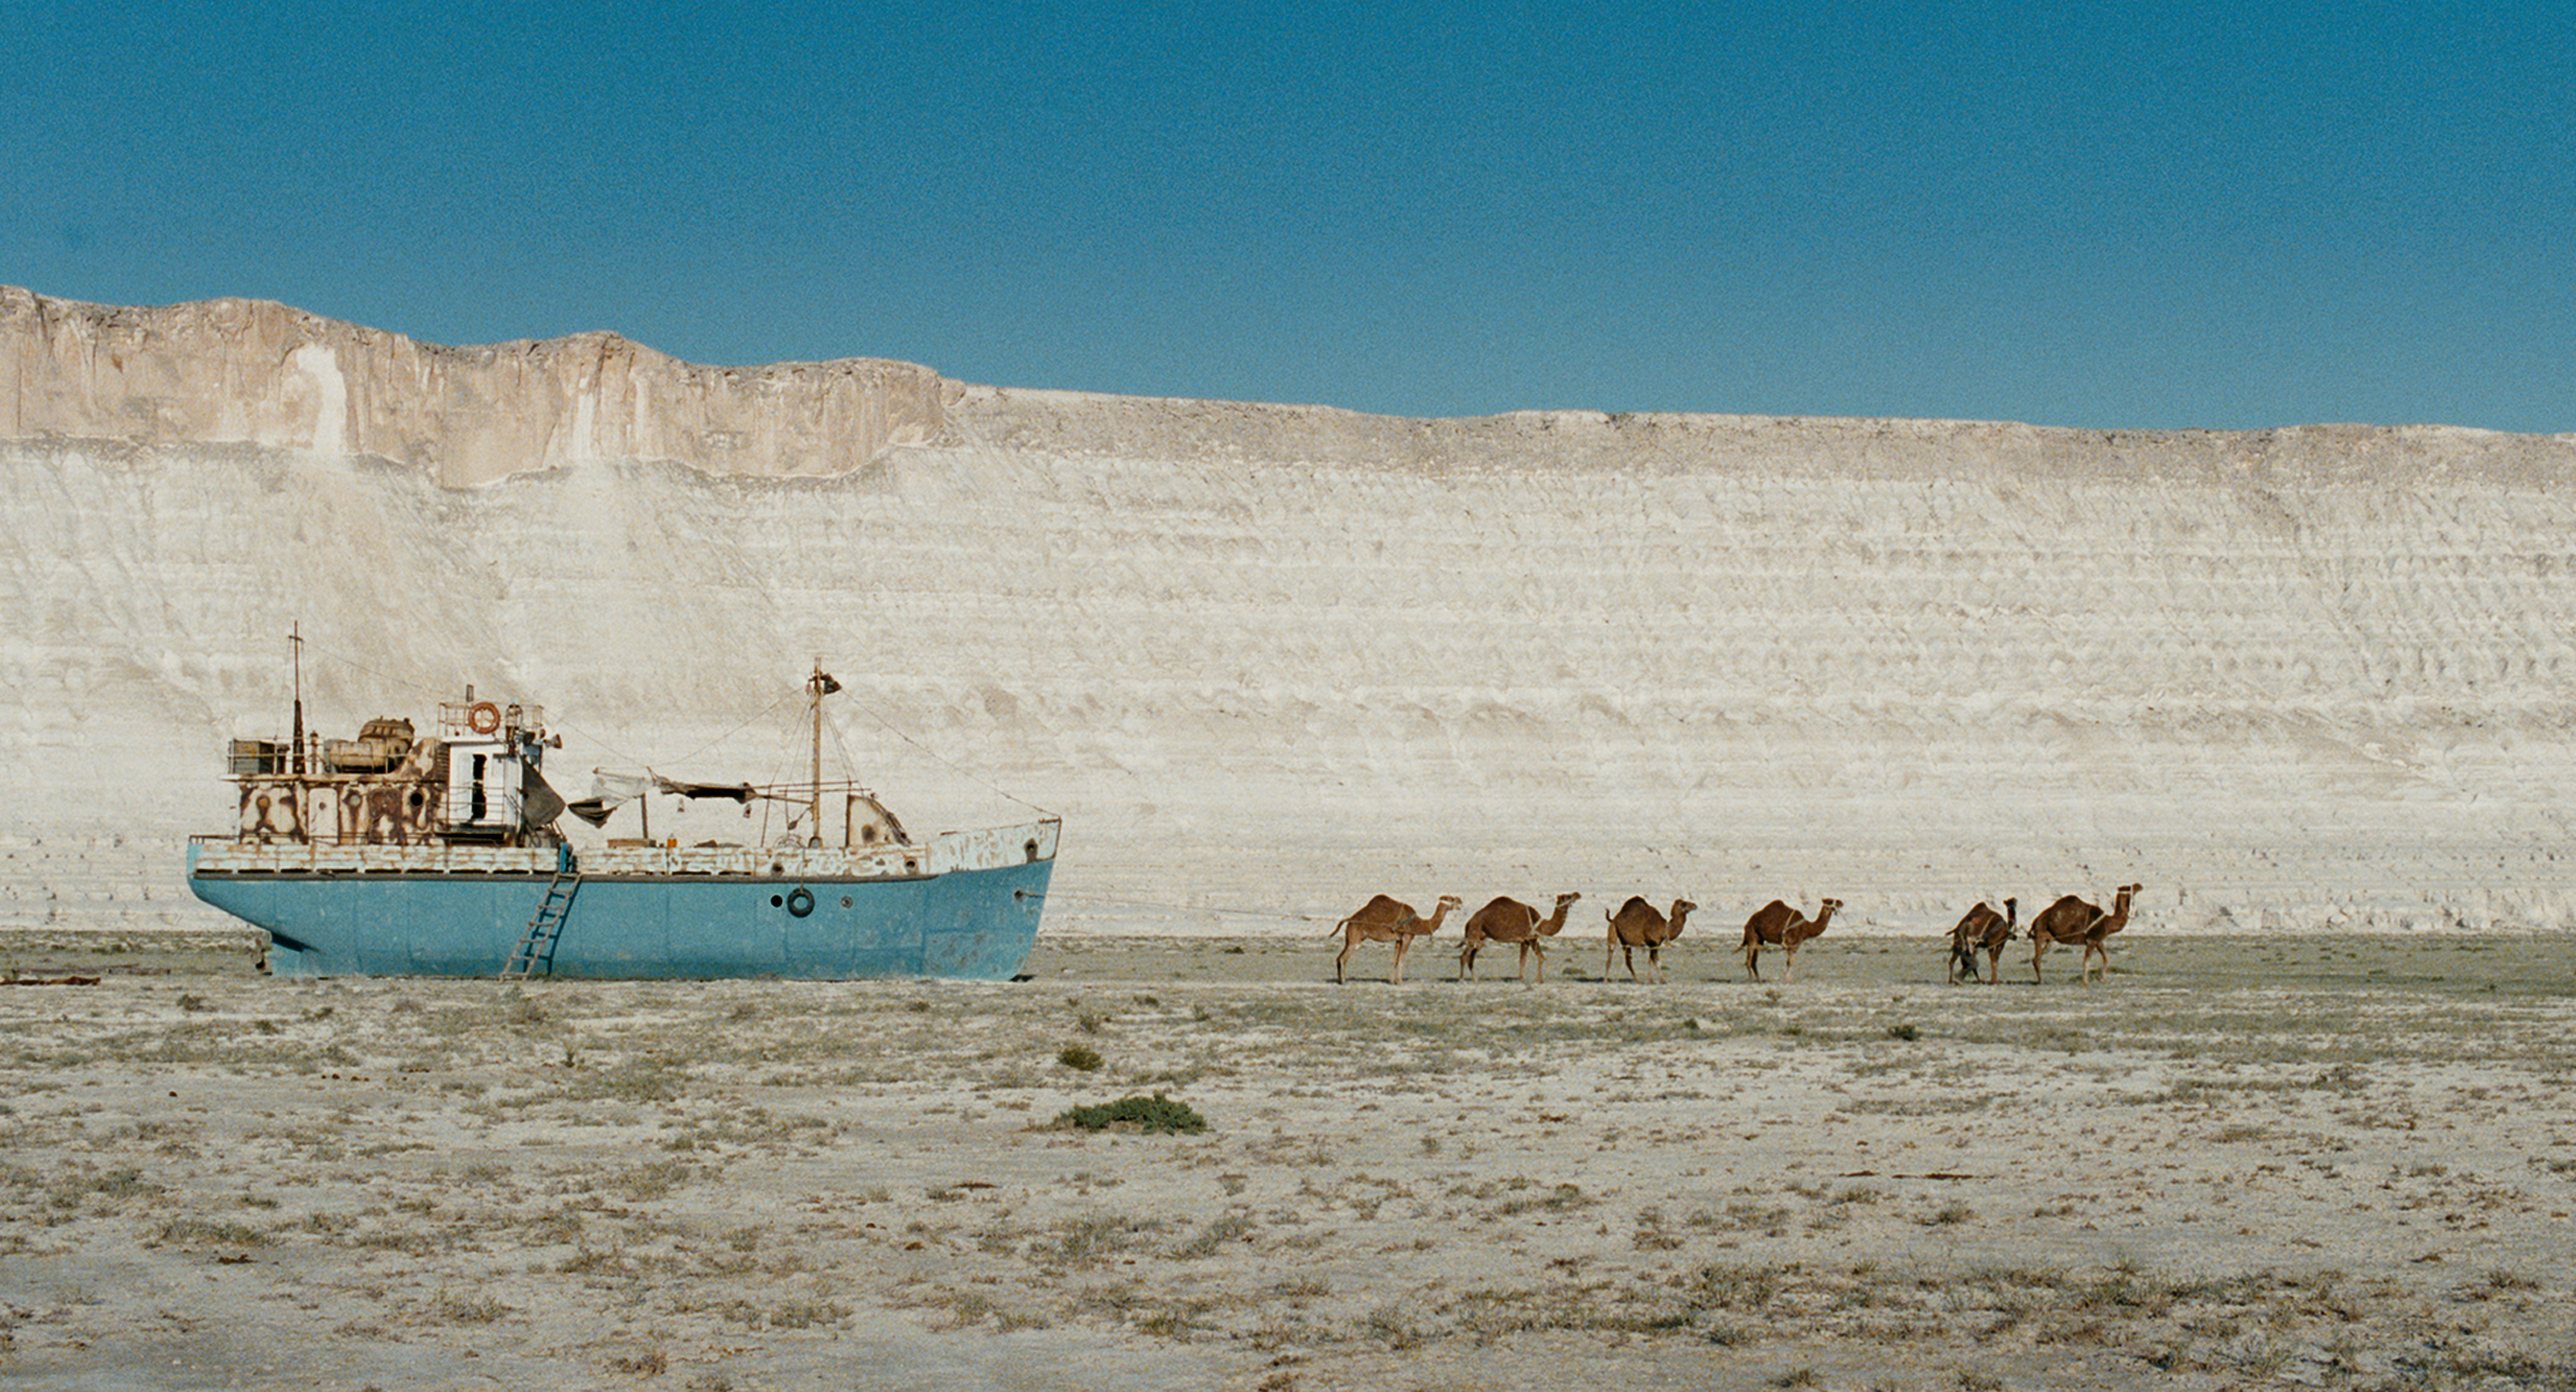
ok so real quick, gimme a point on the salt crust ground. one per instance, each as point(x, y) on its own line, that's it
point(2319, 1162)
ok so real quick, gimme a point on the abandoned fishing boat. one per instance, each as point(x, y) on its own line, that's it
point(442, 855)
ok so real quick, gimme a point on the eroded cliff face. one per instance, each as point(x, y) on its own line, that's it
point(1269, 660)
point(258, 373)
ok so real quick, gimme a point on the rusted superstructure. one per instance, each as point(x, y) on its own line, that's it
point(477, 781)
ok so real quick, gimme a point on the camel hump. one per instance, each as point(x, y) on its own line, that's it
point(1381, 910)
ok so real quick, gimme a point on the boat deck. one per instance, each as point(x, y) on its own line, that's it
point(983, 849)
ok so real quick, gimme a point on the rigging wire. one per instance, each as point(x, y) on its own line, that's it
point(429, 696)
point(840, 742)
point(746, 723)
point(383, 679)
point(890, 728)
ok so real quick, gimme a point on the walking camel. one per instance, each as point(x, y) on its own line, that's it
point(1637, 925)
point(1384, 920)
point(2071, 920)
point(1980, 928)
point(1511, 921)
point(1777, 923)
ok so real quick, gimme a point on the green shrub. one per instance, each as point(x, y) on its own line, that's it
point(1155, 1113)
point(1079, 1059)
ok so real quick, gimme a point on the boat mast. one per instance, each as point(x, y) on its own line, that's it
point(819, 685)
point(295, 642)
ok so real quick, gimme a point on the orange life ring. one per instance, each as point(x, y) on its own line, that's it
point(484, 718)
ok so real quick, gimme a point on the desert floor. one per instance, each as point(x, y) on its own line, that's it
point(2316, 1161)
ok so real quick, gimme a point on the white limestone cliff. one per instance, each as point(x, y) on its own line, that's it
point(253, 372)
point(1268, 660)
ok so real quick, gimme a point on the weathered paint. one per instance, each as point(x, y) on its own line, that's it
point(966, 906)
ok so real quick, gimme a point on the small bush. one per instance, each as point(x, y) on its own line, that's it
point(1903, 1032)
point(1155, 1113)
point(465, 1309)
point(189, 1232)
point(1079, 1059)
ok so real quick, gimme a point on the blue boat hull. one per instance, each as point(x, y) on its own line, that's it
point(971, 924)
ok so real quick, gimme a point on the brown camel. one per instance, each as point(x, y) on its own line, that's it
point(1776, 923)
point(1385, 920)
point(1980, 928)
point(2071, 920)
point(1511, 921)
point(1637, 925)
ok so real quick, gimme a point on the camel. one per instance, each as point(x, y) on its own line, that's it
point(1384, 920)
point(2072, 920)
point(1637, 925)
point(1776, 922)
point(1511, 921)
point(1980, 928)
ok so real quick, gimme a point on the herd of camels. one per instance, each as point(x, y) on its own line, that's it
point(2071, 922)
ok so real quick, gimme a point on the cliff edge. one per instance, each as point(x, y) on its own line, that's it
point(260, 373)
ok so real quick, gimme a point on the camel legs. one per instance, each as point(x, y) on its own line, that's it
point(1627, 953)
point(1628, 956)
point(1342, 959)
point(2090, 950)
point(1402, 945)
point(1963, 961)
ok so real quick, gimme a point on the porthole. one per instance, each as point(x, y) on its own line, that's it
point(845, 901)
point(777, 899)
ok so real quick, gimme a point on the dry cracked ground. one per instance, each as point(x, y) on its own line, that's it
point(2319, 1162)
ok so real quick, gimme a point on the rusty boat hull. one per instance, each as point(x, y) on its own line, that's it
point(965, 906)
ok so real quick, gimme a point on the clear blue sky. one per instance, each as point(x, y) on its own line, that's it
point(2111, 215)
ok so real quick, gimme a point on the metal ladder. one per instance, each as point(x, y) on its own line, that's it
point(537, 945)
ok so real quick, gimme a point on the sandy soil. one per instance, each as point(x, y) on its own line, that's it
point(2313, 1161)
